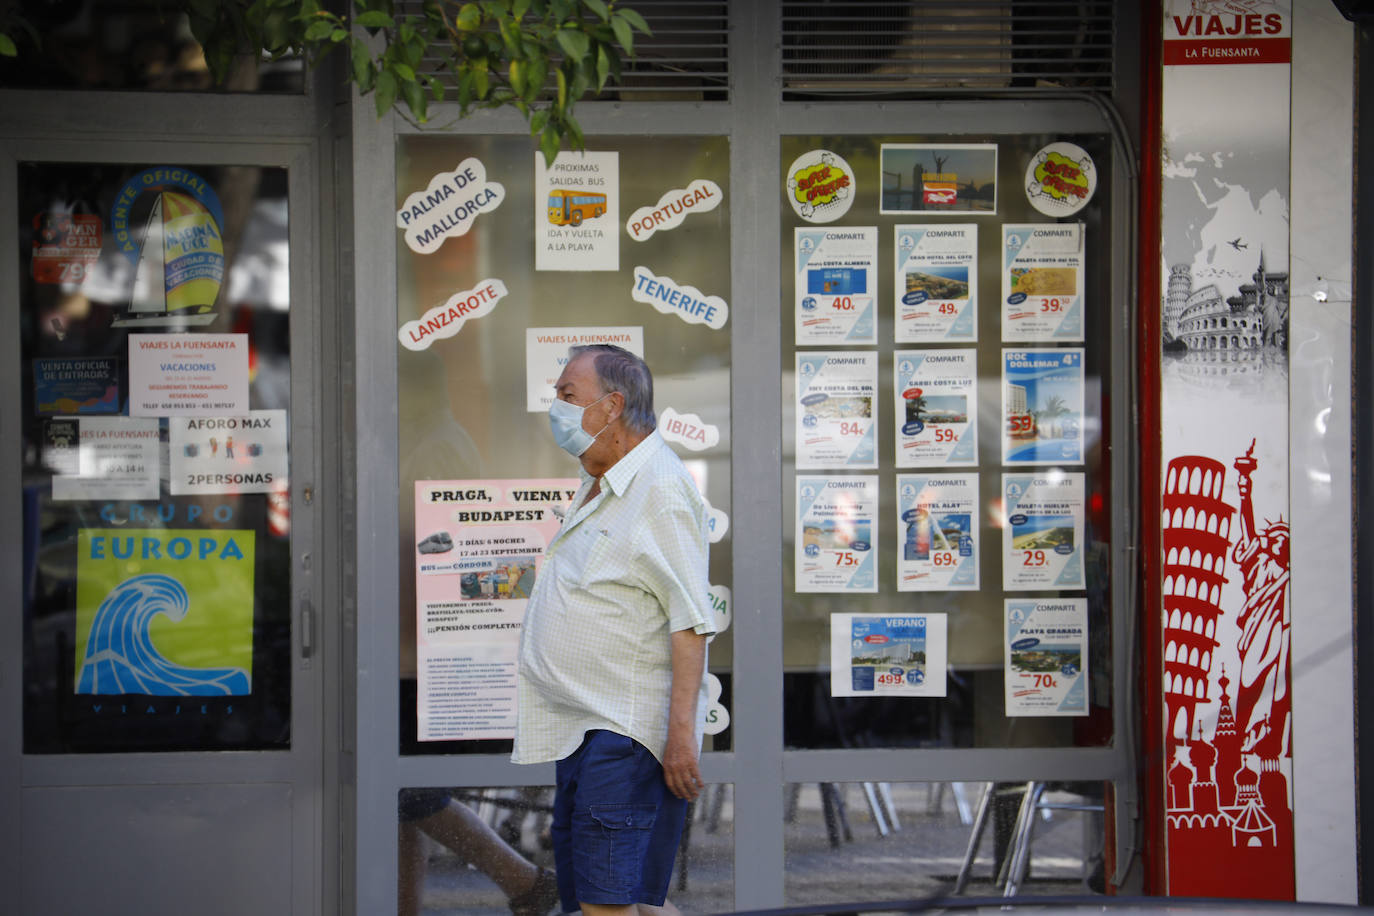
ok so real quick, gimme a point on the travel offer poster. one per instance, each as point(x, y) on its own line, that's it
point(164, 612)
point(1042, 531)
point(937, 532)
point(1046, 656)
point(836, 419)
point(931, 179)
point(117, 458)
point(546, 355)
point(243, 454)
point(202, 375)
point(837, 534)
point(836, 285)
point(935, 401)
point(1042, 282)
point(577, 211)
point(887, 655)
point(478, 548)
point(936, 283)
point(1225, 465)
point(1042, 406)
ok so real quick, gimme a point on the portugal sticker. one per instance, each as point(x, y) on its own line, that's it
point(1060, 179)
point(820, 186)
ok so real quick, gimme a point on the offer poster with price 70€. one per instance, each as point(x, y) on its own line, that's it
point(1046, 662)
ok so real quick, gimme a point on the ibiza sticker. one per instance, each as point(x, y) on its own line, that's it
point(1060, 179)
point(820, 186)
point(687, 429)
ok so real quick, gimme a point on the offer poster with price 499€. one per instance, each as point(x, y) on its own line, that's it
point(1042, 531)
point(837, 534)
point(887, 655)
point(835, 407)
point(1046, 660)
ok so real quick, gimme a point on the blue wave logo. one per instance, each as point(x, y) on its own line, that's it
point(121, 657)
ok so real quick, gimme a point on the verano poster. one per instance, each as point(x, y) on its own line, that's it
point(887, 655)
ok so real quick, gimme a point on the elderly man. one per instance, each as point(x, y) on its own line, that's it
point(613, 653)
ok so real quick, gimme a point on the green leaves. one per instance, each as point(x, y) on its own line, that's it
point(496, 52)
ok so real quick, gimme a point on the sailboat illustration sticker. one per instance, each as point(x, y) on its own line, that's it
point(168, 222)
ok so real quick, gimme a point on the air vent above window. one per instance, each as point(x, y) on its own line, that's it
point(685, 59)
point(892, 50)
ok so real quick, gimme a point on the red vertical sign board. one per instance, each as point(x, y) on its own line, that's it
point(1224, 300)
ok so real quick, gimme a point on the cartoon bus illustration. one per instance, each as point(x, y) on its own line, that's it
point(569, 206)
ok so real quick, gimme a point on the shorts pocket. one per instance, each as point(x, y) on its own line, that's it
point(617, 843)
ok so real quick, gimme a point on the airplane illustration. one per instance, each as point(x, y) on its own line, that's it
point(1237, 244)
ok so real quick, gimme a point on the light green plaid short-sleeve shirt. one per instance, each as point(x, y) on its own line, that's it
point(624, 572)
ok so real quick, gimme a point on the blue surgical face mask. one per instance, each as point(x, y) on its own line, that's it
point(566, 421)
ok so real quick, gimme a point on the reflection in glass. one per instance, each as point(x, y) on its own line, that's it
point(874, 841)
point(487, 851)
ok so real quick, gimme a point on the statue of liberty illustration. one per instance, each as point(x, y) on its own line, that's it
point(120, 655)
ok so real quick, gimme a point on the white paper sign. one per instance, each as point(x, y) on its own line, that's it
point(577, 211)
point(836, 285)
point(245, 454)
point(204, 375)
point(935, 401)
point(1042, 535)
point(837, 534)
point(836, 419)
point(118, 458)
point(888, 655)
point(1042, 281)
point(937, 533)
point(1046, 660)
point(936, 283)
point(546, 355)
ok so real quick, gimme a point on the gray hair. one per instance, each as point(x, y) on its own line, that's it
point(617, 369)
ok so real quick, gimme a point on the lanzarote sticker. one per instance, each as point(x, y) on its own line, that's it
point(820, 186)
point(1060, 179)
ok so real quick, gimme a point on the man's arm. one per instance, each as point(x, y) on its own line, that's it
point(680, 754)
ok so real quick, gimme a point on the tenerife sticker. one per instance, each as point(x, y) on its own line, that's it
point(820, 186)
point(686, 302)
point(1060, 179)
point(447, 319)
point(449, 206)
point(672, 208)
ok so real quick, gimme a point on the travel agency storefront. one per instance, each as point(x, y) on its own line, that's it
point(1030, 495)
